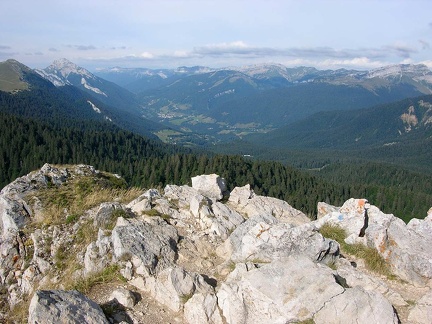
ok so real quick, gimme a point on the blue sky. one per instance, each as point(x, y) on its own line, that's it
point(170, 33)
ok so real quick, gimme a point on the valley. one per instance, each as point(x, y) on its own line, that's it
point(211, 180)
point(328, 124)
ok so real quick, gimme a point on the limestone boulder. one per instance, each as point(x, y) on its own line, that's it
point(97, 257)
point(282, 291)
point(223, 220)
point(241, 195)
point(355, 278)
point(182, 195)
point(211, 186)
point(202, 308)
point(297, 289)
point(324, 209)
point(246, 202)
point(405, 247)
point(174, 286)
point(264, 239)
point(356, 305)
point(13, 215)
point(106, 214)
point(149, 244)
point(58, 306)
point(124, 297)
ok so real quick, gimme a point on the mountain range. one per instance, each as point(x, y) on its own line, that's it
point(268, 106)
point(309, 118)
point(67, 86)
point(233, 102)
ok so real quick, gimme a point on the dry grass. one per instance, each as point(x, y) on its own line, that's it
point(373, 260)
point(19, 314)
point(65, 204)
point(109, 274)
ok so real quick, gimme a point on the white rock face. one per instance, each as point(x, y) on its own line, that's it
point(405, 247)
point(174, 286)
point(356, 305)
point(150, 245)
point(57, 306)
point(422, 311)
point(202, 308)
point(211, 186)
point(244, 200)
point(279, 292)
point(265, 239)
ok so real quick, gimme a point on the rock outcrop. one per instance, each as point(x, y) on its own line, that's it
point(59, 306)
point(406, 247)
point(201, 259)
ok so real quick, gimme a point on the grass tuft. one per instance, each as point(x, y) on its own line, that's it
point(110, 274)
point(373, 260)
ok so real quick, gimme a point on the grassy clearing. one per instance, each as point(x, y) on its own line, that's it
point(66, 203)
point(373, 260)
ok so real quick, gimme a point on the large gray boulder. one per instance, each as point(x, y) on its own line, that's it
point(150, 244)
point(211, 186)
point(246, 202)
point(59, 306)
point(202, 308)
point(264, 239)
point(296, 289)
point(174, 286)
point(356, 305)
point(356, 278)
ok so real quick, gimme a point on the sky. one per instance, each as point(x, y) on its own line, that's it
point(325, 34)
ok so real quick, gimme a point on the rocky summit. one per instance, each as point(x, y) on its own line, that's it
point(78, 247)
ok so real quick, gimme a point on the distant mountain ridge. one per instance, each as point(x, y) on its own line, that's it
point(270, 72)
point(30, 93)
point(205, 105)
point(229, 103)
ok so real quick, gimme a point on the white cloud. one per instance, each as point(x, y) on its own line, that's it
point(147, 55)
point(182, 54)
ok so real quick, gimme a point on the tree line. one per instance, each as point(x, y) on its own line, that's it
point(26, 144)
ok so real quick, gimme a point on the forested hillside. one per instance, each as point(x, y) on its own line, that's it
point(27, 144)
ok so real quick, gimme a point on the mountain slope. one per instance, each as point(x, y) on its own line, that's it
point(122, 103)
point(63, 72)
point(141, 79)
point(390, 124)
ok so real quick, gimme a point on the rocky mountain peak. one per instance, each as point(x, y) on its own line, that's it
point(200, 254)
point(399, 70)
point(66, 67)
